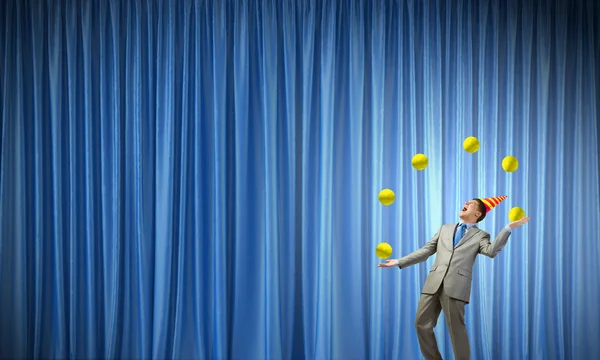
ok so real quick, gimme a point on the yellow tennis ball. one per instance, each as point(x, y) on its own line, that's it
point(510, 164)
point(420, 161)
point(386, 197)
point(516, 213)
point(383, 251)
point(471, 144)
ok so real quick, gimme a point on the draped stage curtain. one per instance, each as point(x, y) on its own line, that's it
point(199, 179)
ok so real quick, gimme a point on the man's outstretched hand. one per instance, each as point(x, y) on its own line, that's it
point(518, 223)
point(389, 263)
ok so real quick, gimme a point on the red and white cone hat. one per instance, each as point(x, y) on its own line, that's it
point(491, 203)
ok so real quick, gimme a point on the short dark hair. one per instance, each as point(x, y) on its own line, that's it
point(481, 209)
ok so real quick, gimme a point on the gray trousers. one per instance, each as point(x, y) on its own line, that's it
point(428, 312)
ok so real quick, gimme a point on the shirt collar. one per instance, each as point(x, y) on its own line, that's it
point(468, 225)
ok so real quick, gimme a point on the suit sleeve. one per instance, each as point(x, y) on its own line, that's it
point(492, 249)
point(422, 254)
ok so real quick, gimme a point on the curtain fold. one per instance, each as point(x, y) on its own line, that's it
point(199, 179)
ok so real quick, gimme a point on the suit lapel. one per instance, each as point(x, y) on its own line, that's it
point(449, 239)
point(468, 235)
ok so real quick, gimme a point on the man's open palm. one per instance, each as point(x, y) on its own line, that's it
point(389, 263)
point(518, 223)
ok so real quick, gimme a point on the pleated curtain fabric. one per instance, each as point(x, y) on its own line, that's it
point(199, 179)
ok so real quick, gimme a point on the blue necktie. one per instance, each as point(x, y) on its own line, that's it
point(459, 233)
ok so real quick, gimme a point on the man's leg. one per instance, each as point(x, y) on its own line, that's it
point(428, 312)
point(454, 313)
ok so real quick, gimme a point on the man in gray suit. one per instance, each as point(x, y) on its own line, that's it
point(448, 285)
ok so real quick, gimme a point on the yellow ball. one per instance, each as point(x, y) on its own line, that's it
point(510, 164)
point(386, 197)
point(471, 144)
point(420, 161)
point(515, 214)
point(383, 251)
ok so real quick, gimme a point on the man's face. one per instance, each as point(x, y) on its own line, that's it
point(470, 210)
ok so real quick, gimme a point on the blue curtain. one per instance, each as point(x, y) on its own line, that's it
point(199, 179)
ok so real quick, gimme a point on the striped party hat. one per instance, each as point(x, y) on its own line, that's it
point(491, 203)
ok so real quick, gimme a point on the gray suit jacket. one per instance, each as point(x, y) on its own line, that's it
point(454, 264)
